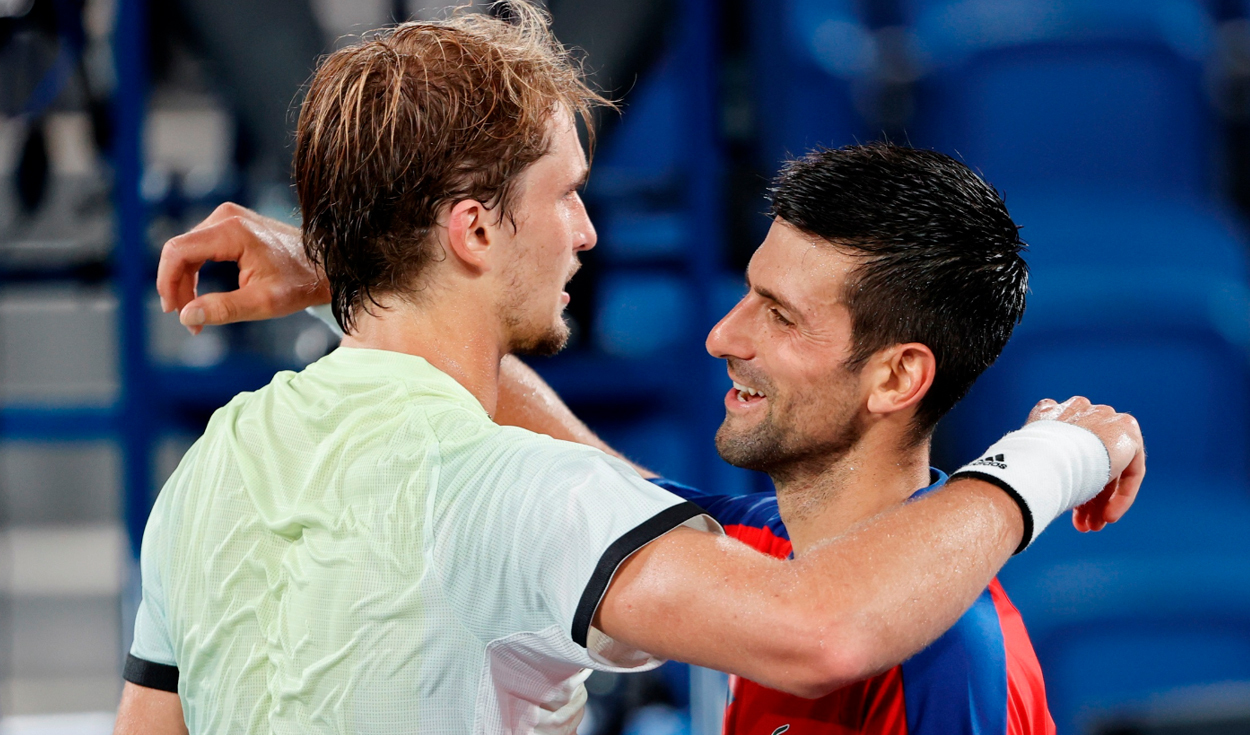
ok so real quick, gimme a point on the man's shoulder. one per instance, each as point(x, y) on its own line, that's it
point(753, 519)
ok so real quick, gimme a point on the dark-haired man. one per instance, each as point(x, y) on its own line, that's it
point(359, 547)
point(891, 278)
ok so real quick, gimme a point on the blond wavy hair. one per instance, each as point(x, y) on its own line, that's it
point(416, 117)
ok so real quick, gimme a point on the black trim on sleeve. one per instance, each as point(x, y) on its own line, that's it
point(998, 482)
point(620, 550)
point(150, 674)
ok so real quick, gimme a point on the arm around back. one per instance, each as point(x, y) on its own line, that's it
point(870, 598)
point(857, 605)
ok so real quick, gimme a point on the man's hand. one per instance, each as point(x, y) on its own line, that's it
point(1122, 436)
point(275, 279)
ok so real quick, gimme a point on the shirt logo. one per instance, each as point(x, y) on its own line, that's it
point(994, 460)
point(781, 729)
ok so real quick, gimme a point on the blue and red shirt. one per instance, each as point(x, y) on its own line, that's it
point(980, 678)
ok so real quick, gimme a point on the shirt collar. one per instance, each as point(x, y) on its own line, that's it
point(353, 364)
point(937, 479)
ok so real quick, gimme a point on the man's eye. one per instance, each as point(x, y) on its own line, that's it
point(779, 318)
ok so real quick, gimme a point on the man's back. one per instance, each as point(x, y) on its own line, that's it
point(358, 548)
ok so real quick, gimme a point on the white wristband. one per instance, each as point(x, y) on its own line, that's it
point(1048, 467)
point(326, 315)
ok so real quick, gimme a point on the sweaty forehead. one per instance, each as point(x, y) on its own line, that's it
point(799, 269)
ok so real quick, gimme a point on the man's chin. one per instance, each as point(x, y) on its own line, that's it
point(543, 344)
point(745, 448)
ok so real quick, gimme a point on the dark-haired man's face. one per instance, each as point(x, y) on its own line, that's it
point(552, 227)
point(786, 343)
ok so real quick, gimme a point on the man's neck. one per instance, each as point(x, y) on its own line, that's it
point(872, 477)
point(457, 341)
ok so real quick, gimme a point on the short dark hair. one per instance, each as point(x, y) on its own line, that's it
point(941, 263)
point(412, 118)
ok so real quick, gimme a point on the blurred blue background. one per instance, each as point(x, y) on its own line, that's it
point(1118, 131)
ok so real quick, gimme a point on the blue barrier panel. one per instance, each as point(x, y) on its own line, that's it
point(1107, 95)
point(1171, 347)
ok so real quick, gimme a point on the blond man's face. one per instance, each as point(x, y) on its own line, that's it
point(552, 227)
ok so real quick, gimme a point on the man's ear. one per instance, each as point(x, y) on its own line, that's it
point(900, 377)
point(469, 234)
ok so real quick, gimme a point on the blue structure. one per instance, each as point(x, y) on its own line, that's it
point(813, 57)
point(1103, 95)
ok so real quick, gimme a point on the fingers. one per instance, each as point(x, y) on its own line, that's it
point(1044, 409)
point(182, 257)
point(1050, 410)
point(1127, 488)
point(248, 303)
point(223, 212)
point(1115, 499)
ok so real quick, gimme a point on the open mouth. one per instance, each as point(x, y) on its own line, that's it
point(745, 395)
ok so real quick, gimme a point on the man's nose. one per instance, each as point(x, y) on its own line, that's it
point(729, 338)
point(587, 237)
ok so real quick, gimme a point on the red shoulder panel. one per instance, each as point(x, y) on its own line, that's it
point(1027, 713)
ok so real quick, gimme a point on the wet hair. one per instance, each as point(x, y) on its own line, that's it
point(941, 257)
point(413, 118)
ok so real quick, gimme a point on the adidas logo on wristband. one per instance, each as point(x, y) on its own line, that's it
point(1054, 468)
point(994, 460)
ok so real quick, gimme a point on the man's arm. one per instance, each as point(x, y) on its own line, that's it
point(525, 400)
point(839, 614)
point(860, 603)
point(145, 711)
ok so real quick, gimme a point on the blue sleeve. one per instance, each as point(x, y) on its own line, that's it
point(758, 510)
point(958, 685)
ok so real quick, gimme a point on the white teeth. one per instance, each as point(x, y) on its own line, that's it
point(744, 391)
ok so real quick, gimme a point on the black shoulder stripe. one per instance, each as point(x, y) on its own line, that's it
point(151, 675)
point(620, 550)
point(1001, 484)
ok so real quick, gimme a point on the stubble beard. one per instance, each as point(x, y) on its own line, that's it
point(531, 335)
point(785, 452)
point(542, 342)
point(542, 337)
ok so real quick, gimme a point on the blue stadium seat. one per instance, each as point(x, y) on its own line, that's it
point(809, 53)
point(642, 236)
point(1115, 232)
point(1160, 602)
point(642, 315)
point(1103, 94)
point(659, 442)
point(644, 151)
point(1172, 347)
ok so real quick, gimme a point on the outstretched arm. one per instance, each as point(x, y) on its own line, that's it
point(863, 601)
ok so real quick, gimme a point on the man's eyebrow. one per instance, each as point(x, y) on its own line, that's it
point(774, 297)
point(581, 180)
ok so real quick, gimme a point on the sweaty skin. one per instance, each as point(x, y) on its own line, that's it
point(870, 597)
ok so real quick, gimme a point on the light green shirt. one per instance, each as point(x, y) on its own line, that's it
point(358, 548)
